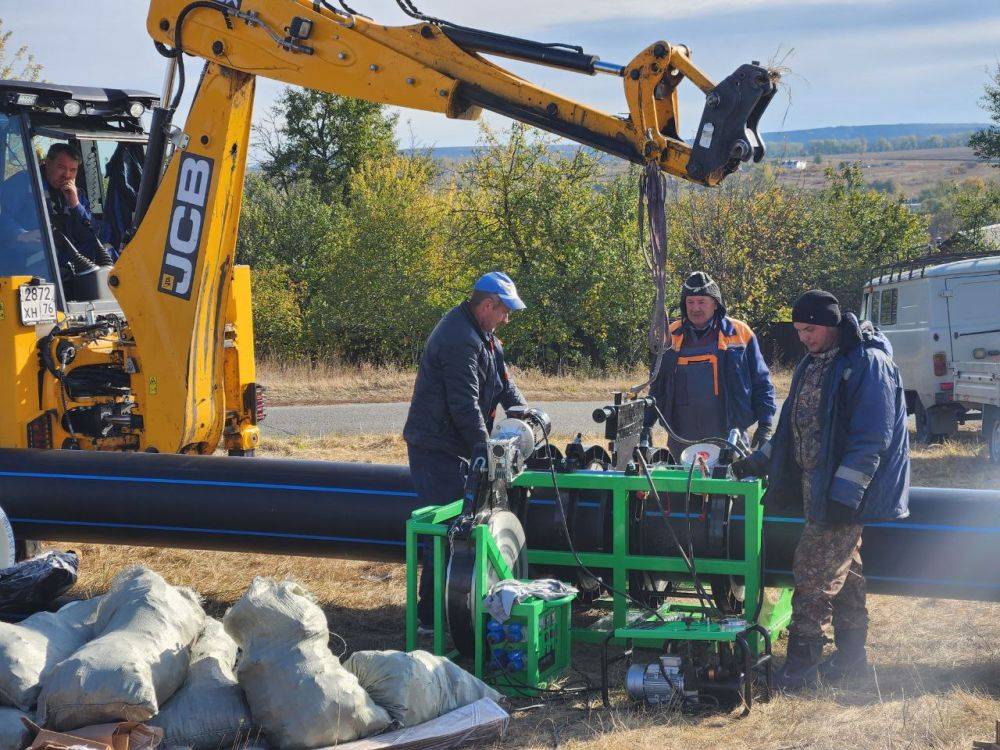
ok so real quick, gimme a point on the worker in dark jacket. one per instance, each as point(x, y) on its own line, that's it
point(461, 380)
point(841, 454)
point(713, 378)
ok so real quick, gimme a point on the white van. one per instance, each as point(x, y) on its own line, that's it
point(936, 311)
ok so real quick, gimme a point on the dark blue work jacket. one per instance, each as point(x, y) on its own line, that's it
point(746, 382)
point(461, 380)
point(865, 450)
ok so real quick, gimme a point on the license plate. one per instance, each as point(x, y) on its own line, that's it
point(38, 303)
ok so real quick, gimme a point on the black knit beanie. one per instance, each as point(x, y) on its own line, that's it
point(818, 308)
point(700, 284)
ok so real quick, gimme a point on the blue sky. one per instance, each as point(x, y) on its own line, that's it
point(853, 62)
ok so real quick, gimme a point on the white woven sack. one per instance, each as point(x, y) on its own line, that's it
point(297, 689)
point(32, 647)
point(144, 629)
point(14, 735)
point(418, 686)
point(209, 710)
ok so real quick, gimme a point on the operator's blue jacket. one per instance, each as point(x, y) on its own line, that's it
point(461, 380)
point(864, 450)
point(747, 388)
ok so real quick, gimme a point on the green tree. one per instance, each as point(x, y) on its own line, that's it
point(853, 230)
point(568, 241)
point(16, 63)
point(744, 234)
point(277, 315)
point(986, 142)
point(292, 229)
point(953, 208)
point(389, 278)
point(321, 138)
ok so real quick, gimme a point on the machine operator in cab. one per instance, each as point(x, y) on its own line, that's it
point(69, 213)
point(713, 378)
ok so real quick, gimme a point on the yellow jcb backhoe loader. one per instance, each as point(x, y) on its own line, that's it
point(155, 352)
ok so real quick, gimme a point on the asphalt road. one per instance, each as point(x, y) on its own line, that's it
point(566, 416)
point(312, 421)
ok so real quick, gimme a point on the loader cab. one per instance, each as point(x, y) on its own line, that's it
point(104, 127)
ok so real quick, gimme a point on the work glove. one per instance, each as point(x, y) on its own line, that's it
point(761, 435)
point(838, 513)
point(751, 466)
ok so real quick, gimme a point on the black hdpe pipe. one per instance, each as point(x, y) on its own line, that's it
point(949, 547)
point(273, 506)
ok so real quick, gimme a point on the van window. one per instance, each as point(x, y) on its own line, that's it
point(874, 307)
point(865, 304)
point(888, 307)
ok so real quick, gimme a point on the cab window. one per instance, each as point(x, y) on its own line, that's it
point(22, 249)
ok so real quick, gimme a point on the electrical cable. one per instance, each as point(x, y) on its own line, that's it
point(718, 441)
point(703, 597)
point(569, 540)
point(561, 691)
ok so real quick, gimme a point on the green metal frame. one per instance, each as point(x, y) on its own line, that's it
point(688, 622)
point(430, 521)
point(774, 616)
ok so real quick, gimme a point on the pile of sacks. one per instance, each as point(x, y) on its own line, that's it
point(264, 676)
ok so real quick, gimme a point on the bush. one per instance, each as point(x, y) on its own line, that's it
point(277, 317)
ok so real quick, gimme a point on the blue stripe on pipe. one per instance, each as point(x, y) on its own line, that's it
point(209, 483)
point(900, 579)
point(896, 525)
point(224, 532)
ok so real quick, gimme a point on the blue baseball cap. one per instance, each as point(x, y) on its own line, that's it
point(500, 284)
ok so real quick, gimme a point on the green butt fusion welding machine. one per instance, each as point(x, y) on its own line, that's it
point(674, 553)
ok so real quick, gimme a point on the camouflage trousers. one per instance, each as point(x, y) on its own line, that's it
point(829, 585)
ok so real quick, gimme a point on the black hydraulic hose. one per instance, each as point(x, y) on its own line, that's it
point(474, 40)
point(572, 548)
point(720, 442)
point(703, 596)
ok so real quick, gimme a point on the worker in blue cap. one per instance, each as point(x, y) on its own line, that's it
point(461, 380)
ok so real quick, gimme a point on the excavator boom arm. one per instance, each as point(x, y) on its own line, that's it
point(175, 280)
point(439, 67)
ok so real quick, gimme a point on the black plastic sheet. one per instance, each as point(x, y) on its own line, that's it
point(32, 585)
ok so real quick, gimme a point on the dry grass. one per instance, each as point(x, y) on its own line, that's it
point(958, 462)
point(301, 383)
point(937, 662)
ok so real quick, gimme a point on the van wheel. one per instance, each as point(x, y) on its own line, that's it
point(924, 435)
point(991, 432)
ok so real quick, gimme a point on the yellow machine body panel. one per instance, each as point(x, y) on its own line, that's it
point(19, 371)
point(173, 279)
point(242, 397)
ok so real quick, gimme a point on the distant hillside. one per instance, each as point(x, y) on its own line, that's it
point(873, 132)
point(829, 140)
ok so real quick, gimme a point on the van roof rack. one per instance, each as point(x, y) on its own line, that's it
point(917, 267)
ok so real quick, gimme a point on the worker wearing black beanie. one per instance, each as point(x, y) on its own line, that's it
point(817, 307)
point(840, 456)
